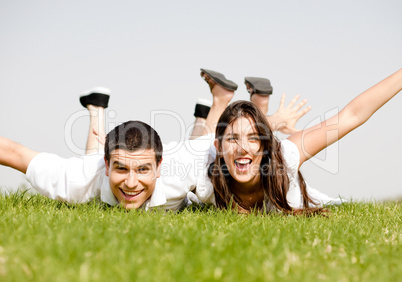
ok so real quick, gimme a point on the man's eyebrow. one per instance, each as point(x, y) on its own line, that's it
point(145, 165)
point(117, 163)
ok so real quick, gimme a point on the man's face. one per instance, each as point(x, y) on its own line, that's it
point(132, 176)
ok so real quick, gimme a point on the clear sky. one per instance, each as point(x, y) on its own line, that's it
point(149, 54)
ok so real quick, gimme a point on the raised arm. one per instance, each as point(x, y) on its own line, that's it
point(15, 155)
point(314, 139)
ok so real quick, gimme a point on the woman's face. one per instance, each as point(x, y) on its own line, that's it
point(241, 149)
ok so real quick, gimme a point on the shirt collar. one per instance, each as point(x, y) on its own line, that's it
point(107, 195)
point(157, 199)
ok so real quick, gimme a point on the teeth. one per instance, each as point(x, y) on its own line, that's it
point(243, 161)
point(131, 193)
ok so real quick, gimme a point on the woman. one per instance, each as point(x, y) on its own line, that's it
point(255, 171)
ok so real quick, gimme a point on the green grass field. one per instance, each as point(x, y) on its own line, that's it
point(45, 240)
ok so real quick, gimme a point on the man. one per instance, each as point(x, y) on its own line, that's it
point(127, 173)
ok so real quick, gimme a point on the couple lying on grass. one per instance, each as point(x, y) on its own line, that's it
point(242, 167)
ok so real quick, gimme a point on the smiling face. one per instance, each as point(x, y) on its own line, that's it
point(241, 150)
point(132, 176)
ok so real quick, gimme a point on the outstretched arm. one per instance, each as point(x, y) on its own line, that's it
point(314, 139)
point(15, 155)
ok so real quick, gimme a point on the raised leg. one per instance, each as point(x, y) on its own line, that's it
point(221, 97)
point(198, 128)
point(261, 101)
point(96, 127)
point(95, 100)
point(202, 109)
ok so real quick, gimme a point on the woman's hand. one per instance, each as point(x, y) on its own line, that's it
point(285, 118)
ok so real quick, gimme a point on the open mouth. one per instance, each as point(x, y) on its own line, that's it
point(242, 165)
point(130, 194)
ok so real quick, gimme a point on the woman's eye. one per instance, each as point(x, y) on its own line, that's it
point(255, 138)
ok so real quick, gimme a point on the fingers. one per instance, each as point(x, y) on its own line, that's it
point(293, 101)
point(303, 112)
point(300, 105)
point(282, 102)
point(95, 132)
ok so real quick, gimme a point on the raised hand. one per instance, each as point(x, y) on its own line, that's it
point(285, 118)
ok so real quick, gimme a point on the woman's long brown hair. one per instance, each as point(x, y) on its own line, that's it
point(273, 170)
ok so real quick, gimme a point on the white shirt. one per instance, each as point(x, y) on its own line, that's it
point(184, 168)
point(82, 179)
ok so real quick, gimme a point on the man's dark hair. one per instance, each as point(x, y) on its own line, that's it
point(133, 136)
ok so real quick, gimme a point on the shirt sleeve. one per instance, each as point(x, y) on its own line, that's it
point(75, 180)
point(291, 155)
point(294, 197)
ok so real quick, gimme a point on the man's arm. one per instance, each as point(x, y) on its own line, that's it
point(15, 155)
point(74, 180)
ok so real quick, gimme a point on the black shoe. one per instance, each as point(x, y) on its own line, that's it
point(258, 85)
point(202, 108)
point(98, 96)
point(220, 79)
